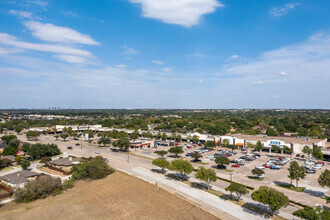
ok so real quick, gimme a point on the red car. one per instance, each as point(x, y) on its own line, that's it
point(226, 155)
point(266, 166)
point(235, 165)
point(320, 162)
point(189, 147)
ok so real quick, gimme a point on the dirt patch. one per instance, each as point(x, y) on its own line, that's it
point(119, 196)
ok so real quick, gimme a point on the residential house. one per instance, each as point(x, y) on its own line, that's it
point(64, 164)
point(20, 178)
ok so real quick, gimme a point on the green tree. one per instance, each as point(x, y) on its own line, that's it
point(317, 153)
point(194, 139)
point(25, 164)
point(164, 136)
point(259, 146)
point(196, 157)
point(93, 169)
point(257, 172)
point(104, 139)
point(232, 147)
point(302, 131)
point(162, 163)
point(307, 150)
point(207, 175)
point(25, 147)
point(45, 160)
point(64, 136)
point(8, 138)
point(324, 178)
point(237, 188)
point(296, 172)
point(162, 153)
point(287, 150)
point(75, 135)
point(56, 136)
point(210, 145)
point(182, 166)
point(310, 213)
point(32, 134)
point(122, 143)
point(18, 129)
point(134, 135)
point(225, 142)
point(176, 150)
point(271, 197)
point(222, 160)
point(276, 149)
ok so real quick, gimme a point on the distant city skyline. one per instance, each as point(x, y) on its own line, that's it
point(174, 54)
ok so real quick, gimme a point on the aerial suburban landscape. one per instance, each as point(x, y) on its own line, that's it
point(164, 109)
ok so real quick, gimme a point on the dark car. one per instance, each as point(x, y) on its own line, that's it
point(69, 148)
point(77, 144)
point(310, 171)
point(302, 156)
point(298, 155)
point(275, 167)
point(221, 167)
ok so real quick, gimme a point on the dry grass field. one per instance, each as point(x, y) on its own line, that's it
point(119, 196)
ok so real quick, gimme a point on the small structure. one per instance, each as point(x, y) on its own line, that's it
point(64, 164)
point(20, 178)
point(11, 158)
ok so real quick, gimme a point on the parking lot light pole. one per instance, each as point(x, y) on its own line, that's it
point(231, 176)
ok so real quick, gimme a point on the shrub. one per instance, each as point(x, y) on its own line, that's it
point(93, 169)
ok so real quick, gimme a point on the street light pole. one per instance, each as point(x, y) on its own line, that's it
point(231, 176)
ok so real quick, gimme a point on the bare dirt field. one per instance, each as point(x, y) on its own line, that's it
point(119, 196)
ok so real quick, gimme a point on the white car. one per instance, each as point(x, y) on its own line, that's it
point(317, 166)
point(260, 167)
point(184, 148)
point(308, 162)
point(259, 176)
point(209, 156)
point(97, 152)
point(198, 151)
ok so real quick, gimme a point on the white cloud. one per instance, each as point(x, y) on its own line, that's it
point(276, 96)
point(53, 33)
point(167, 69)
point(278, 12)
point(182, 12)
point(121, 66)
point(21, 14)
point(305, 60)
point(64, 53)
point(259, 82)
point(130, 51)
point(234, 56)
point(71, 58)
point(157, 62)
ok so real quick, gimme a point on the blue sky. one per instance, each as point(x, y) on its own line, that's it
point(164, 54)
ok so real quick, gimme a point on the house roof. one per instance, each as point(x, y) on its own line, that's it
point(9, 157)
point(19, 177)
point(2, 146)
point(64, 161)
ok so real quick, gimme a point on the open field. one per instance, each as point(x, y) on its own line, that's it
point(119, 196)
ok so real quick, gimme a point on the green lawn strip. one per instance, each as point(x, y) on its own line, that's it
point(223, 179)
point(6, 169)
point(291, 187)
point(201, 163)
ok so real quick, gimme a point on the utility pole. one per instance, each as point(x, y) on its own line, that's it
point(231, 176)
point(128, 156)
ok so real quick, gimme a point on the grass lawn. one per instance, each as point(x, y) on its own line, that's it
point(6, 169)
point(291, 187)
point(255, 178)
point(227, 170)
point(201, 163)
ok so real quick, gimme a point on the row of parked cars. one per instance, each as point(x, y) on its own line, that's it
point(275, 163)
point(197, 151)
point(311, 167)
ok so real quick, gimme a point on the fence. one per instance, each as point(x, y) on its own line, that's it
point(59, 170)
point(9, 191)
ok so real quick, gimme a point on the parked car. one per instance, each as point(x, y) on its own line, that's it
point(188, 154)
point(259, 176)
point(302, 156)
point(308, 162)
point(77, 144)
point(221, 167)
point(317, 166)
point(298, 155)
point(69, 148)
point(310, 171)
point(320, 162)
point(97, 152)
point(241, 163)
point(260, 167)
point(235, 165)
point(275, 167)
point(266, 166)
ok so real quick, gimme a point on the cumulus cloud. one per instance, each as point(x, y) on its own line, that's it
point(71, 58)
point(130, 51)
point(181, 12)
point(53, 33)
point(21, 14)
point(278, 12)
point(157, 62)
point(234, 56)
point(283, 73)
